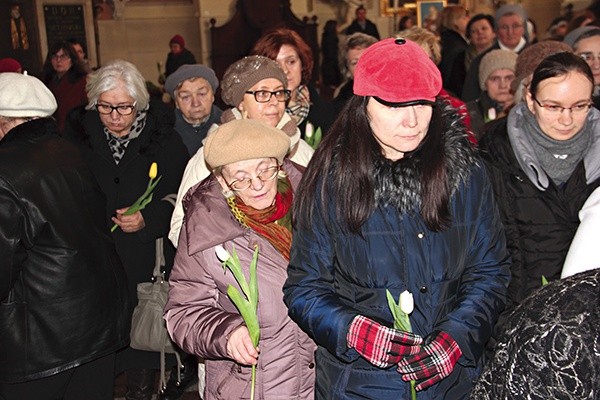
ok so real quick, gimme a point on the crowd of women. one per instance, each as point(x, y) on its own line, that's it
point(412, 196)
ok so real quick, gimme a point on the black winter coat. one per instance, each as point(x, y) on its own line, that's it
point(63, 297)
point(124, 183)
point(539, 225)
point(452, 44)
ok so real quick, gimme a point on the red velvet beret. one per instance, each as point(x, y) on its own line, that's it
point(397, 71)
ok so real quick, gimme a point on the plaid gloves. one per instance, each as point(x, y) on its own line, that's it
point(433, 362)
point(380, 345)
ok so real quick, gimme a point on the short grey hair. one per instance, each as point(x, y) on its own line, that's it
point(117, 73)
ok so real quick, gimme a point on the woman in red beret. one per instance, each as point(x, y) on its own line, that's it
point(178, 55)
point(395, 199)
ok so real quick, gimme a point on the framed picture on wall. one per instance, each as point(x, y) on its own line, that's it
point(427, 13)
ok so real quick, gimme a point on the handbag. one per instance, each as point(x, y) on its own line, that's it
point(148, 328)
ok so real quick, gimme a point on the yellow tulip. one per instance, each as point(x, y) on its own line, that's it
point(153, 170)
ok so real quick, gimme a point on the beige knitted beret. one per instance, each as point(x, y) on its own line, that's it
point(493, 61)
point(244, 139)
point(245, 73)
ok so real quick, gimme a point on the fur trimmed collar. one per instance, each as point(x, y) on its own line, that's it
point(398, 183)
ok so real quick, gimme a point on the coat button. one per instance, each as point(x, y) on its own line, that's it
point(311, 365)
point(423, 289)
point(420, 235)
point(117, 180)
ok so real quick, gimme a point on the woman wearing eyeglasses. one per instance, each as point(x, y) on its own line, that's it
point(65, 77)
point(256, 88)
point(121, 133)
point(245, 203)
point(544, 162)
point(295, 58)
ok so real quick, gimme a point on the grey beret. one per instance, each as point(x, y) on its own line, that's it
point(24, 96)
point(573, 36)
point(188, 71)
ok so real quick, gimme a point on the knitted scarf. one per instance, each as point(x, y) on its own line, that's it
point(299, 108)
point(118, 145)
point(274, 223)
point(558, 158)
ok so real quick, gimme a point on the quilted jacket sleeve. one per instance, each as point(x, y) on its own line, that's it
point(194, 320)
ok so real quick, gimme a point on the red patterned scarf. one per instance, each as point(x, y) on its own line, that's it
point(274, 223)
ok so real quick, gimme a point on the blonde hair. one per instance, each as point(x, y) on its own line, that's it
point(450, 15)
point(424, 38)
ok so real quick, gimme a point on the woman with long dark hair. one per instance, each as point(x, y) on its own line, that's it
point(396, 199)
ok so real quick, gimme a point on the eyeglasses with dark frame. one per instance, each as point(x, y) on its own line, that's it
point(264, 175)
point(556, 109)
point(264, 96)
point(121, 109)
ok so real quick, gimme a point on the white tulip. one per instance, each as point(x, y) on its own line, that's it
point(309, 130)
point(407, 303)
point(222, 254)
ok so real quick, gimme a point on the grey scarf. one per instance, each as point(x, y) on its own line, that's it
point(558, 158)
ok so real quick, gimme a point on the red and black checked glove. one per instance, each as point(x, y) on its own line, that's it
point(380, 345)
point(434, 361)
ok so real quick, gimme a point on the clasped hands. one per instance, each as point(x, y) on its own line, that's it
point(426, 361)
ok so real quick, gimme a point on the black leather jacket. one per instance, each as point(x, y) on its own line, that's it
point(62, 287)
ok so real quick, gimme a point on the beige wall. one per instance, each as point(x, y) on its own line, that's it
point(142, 33)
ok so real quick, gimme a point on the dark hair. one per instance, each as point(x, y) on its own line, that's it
point(74, 41)
point(341, 173)
point(330, 27)
point(404, 20)
point(479, 17)
point(74, 73)
point(559, 64)
point(270, 44)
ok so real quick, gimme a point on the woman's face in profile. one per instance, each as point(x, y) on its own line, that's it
point(560, 104)
point(289, 61)
point(398, 129)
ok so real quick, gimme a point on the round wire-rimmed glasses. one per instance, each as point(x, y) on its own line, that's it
point(265, 175)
